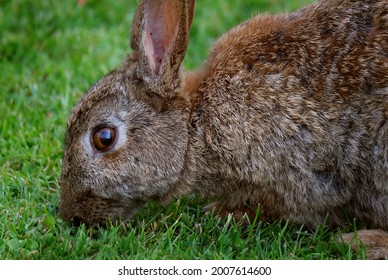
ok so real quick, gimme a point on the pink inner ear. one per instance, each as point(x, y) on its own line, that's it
point(159, 31)
point(154, 49)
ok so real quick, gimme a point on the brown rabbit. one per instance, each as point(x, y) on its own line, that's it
point(289, 111)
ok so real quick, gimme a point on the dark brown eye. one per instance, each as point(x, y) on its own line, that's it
point(104, 138)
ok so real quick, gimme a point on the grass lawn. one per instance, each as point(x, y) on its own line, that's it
point(50, 53)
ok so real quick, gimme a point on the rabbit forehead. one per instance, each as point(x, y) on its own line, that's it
point(110, 96)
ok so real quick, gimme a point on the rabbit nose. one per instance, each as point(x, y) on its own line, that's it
point(75, 221)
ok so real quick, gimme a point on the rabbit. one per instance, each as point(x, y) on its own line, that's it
point(288, 112)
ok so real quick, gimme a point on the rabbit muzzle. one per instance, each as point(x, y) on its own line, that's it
point(90, 209)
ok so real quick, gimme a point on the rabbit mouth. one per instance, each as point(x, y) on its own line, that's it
point(112, 212)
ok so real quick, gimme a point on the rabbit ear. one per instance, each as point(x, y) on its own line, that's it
point(159, 40)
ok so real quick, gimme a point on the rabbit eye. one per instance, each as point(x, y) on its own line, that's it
point(104, 138)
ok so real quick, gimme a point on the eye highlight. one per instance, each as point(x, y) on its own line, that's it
point(104, 138)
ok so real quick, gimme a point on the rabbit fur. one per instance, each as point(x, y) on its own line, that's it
point(289, 112)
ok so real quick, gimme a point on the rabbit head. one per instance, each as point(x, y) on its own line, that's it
point(127, 136)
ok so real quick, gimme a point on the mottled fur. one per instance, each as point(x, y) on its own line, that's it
point(289, 111)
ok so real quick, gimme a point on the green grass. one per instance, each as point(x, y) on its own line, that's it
point(50, 53)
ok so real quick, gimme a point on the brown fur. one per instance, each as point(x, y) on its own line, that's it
point(289, 111)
